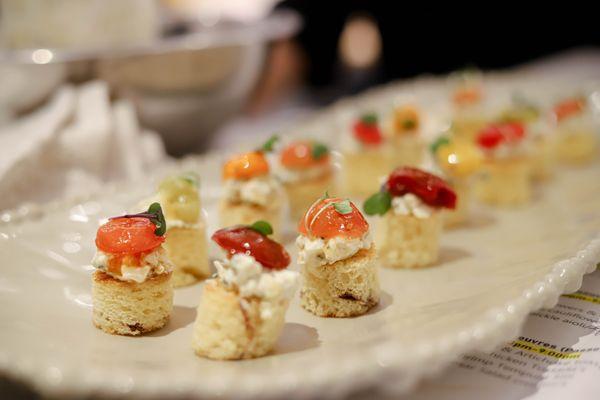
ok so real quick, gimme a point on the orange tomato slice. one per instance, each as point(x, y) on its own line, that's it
point(324, 221)
point(466, 96)
point(128, 236)
point(568, 108)
point(246, 166)
point(299, 155)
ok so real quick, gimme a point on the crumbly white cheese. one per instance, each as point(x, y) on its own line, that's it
point(253, 280)
point(410, 204)
point(136, 274)
point(152, 264)
point(320, 252)
point(260, 191)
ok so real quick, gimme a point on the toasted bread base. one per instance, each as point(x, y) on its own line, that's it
point(459, 215)
point(246, 214)
point(130, 308)
point(408, 150)
point(576, 147)
point(229, 327)
point(362, 171)
point(405, 241)
point(186, 248)
point(467, 123)
point(543, 158)
point(504, 182)
point(345, 288)
point(303, 194)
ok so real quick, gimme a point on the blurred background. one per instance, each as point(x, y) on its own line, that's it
point(110, 88)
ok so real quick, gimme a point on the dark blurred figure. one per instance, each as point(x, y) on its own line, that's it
point(346, 46)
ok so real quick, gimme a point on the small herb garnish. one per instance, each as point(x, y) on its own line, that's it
point(191, 177)
point(369, 119)
point(343, 207)
point(262, 227)
point(267, 146)
point(439, 142)
point(155, 215)
point(319, 150)
point(378, 204)
point(409, 124)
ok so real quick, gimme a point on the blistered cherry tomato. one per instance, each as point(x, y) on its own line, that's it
point(246, 166)
point(433, 190)
point(244, 240)
point(128, 236)
point(568, 108)
point(496, 134)
point(324, 221)
point(367, 133)
point(467, 96)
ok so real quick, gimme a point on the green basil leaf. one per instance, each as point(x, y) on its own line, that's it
point(439, 142)
point(262, 227)
point(343, 207)
point(267, 147)
point(369, 119)
point(158, 219)
point(319, 150)
point(378, 204)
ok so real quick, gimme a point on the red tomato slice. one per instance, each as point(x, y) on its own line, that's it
point(495, 134)
point(244, 240)
point(128, 236)
point(433, 190)
point(368, 134)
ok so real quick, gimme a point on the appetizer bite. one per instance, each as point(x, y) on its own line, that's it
point(459, 160)
point(366, 156)
point(242, 310)
point(185, 236)
point(250, 191)
point(524, 112)
point(306, 171)
point(410, 202)
point(403, 129)
point(337, 259)
point(469, 114)
point(504, 178)
point(577, 133)
point(131, 287)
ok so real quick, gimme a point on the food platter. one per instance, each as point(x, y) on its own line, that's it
point(491, 274)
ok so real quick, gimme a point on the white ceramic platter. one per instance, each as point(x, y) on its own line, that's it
point(492, 273)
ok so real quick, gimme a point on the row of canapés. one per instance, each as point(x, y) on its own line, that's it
point(242, 309)
point(494, 147)
point(141, 256)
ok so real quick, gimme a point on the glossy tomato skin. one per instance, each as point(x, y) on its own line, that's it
point(568, 108)
point(367, 133)
point(495, 134)
point(246, 166)
point(128, 236)
point(431, 189)
point(298, 155)
point(489, 137)
point(244, 240)
point(322, 220)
